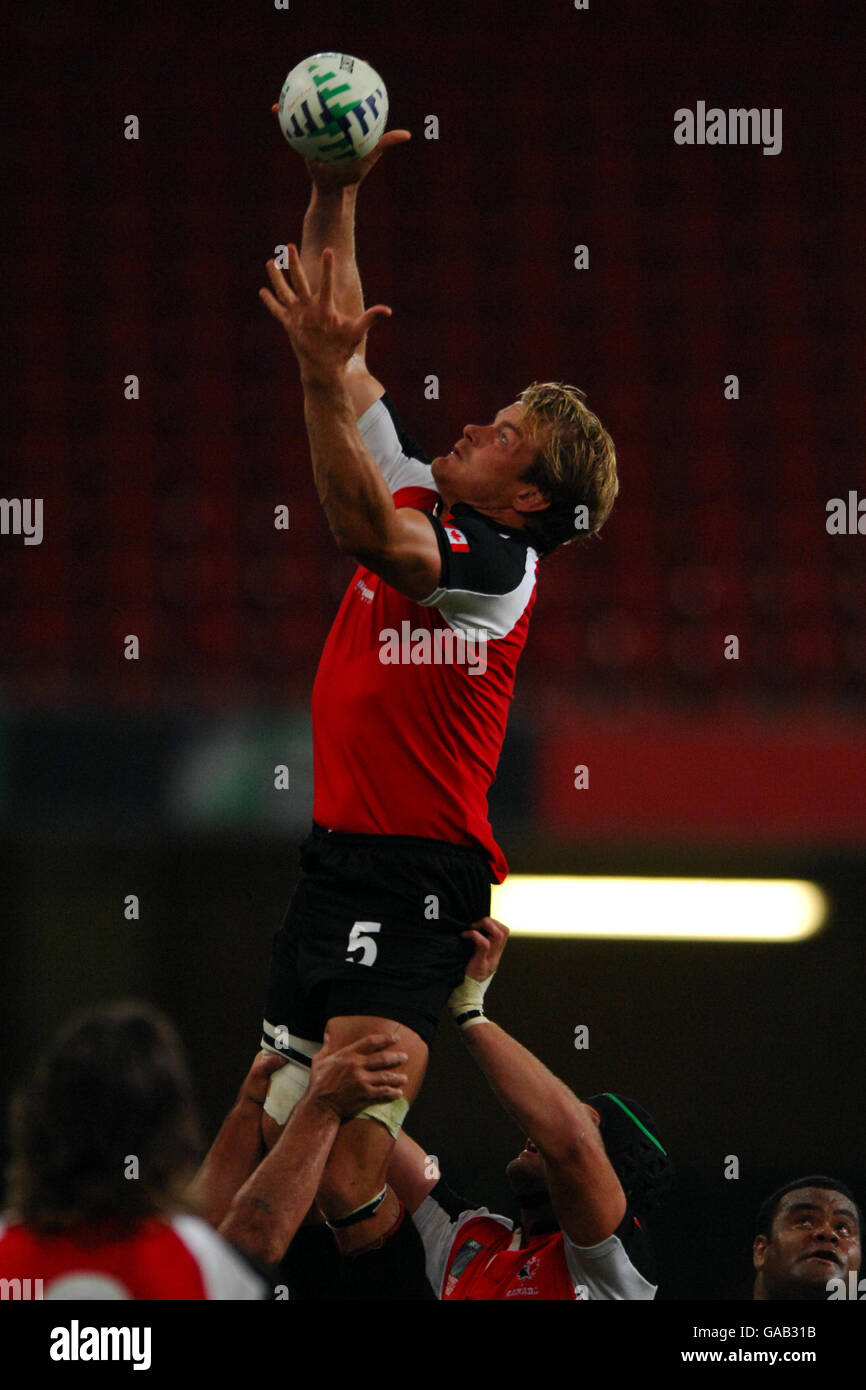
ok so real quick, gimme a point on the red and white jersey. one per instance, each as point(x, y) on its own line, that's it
point(411, 699)
point(474, 1256)
point(177, 1258)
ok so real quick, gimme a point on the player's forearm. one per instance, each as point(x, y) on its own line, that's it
point(411, 1172)
point(272, 1203)
point(330, 221)
point(229, 1161)
point(542, 1105)
point(353, 493)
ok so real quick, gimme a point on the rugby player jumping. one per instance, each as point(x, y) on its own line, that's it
point(411, 697)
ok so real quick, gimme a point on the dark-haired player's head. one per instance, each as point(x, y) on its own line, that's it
point(545, 465)
point(105, 1131)
point(806, 1233)
point(630, 1137)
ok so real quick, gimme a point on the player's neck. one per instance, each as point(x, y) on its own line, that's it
point(502, 516)
point(538, 1221)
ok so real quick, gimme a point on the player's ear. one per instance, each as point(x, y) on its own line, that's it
point(531, 499)
point(759, 1250)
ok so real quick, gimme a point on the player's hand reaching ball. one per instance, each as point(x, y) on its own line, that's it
point(330, 178)
point(489, 938)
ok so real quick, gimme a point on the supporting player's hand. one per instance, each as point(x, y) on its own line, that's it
point(365, 1071)
point(489, 938)
point(323, 339)
point(330, 178)
point(255, 1084)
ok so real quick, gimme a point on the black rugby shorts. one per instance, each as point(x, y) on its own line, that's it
point(374, 927)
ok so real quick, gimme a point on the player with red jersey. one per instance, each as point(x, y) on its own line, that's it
point(176, 1258)
point(411, 698)
point(581, 1184)
point(104, 1139)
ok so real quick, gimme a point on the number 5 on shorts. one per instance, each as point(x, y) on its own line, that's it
point(358, 941)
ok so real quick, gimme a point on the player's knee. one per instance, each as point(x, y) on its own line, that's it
point(356, 1168)
point(343, 1191)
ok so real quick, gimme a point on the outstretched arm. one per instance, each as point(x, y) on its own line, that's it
point(400, 545)
point(329, 222)
point(586, 1193)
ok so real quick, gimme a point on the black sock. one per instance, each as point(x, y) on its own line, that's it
point(393, 1269)
point(311, 1267)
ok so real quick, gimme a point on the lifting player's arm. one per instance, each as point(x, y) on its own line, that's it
point(269, 1208)
point(585, 1192)
point(411, 1172)
point(238, 1147)
point(330, 222)
point(400, 545)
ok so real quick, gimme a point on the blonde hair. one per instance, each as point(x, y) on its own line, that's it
point(575, 465)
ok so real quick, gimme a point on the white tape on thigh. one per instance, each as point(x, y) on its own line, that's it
point(288, 1086)
point(290, 1083)
point(390, 1113)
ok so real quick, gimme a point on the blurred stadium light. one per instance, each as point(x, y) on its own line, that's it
point(667, 909)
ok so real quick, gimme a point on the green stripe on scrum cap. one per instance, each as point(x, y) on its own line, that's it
point(635, 1119)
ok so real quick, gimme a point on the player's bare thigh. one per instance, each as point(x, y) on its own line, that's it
point(358, 1163)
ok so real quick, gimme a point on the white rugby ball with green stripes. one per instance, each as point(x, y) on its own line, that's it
point(333, 108)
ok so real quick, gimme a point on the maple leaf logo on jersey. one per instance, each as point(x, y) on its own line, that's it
point(456, 539)
point(530, 1269)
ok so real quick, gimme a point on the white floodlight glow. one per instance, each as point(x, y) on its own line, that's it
point(660, 909)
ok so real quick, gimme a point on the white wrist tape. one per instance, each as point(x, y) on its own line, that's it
point(466, 1002)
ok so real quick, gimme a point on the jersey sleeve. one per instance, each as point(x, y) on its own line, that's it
point(226, 1274)
point(438, 1221)
point(488, 578)
point(404, 465)
point(621, 1267)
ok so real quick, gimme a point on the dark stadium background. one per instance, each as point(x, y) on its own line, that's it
point(155, 777)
